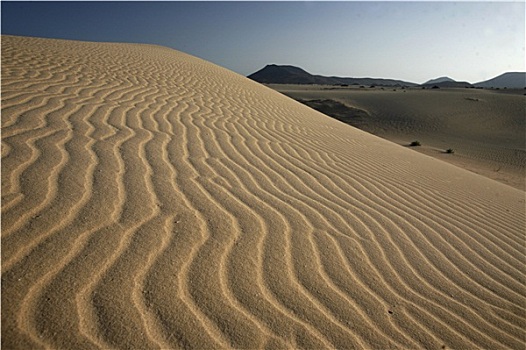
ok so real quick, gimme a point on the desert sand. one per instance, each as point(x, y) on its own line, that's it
point(486, 129)
point(151, 199)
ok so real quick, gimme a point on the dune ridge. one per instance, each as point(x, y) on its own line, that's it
point(151, 199)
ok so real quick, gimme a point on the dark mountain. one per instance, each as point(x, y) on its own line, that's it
point(274, 74)
point(448, 84)
point(506, 80)
point(438, 80)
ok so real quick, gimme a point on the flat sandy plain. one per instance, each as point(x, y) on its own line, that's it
point(486, 129)
point(151, 199)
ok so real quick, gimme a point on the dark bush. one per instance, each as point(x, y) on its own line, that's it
point(415, 143)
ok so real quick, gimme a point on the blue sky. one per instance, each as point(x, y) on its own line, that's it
point(412, 41)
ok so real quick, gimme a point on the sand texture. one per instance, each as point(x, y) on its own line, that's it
point(485, 128)
point(151, 199)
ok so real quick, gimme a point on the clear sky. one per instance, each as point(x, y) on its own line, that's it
point(412, 41)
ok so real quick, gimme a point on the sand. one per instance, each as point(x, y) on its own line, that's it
point(486, 129)
point(151, 199)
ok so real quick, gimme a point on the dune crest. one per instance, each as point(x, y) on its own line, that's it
point(151, 199)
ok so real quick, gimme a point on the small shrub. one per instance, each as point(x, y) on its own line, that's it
point(415, 143)
point(450, 151)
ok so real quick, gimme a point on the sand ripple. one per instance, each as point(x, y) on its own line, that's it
point(153, 200)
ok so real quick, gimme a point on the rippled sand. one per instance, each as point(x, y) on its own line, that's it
point(151, 199)
point(486, 129)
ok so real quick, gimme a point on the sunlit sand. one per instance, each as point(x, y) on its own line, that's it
point(151, 199)
point(485, 129)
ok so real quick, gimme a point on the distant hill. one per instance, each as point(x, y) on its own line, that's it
point(448, 84)
point(438, 80)
point(276, 74)
point(506, 80)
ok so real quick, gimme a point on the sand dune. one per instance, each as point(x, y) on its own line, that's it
point(153, 200)
point(485, 128)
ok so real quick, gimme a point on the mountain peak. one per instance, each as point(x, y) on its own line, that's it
point(439, 80)
point(277, 74)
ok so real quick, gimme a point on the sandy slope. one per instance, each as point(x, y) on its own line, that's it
point(153, 200)
point(485, 128)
